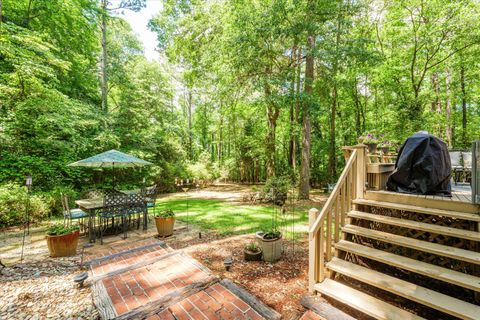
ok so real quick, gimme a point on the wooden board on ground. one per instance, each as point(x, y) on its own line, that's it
point(323, 308)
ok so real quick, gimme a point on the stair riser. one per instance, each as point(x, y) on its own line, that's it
point(425, 269)
point(413, 245)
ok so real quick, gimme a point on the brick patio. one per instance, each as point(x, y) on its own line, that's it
point(154, 282)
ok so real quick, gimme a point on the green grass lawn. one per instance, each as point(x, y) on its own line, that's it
point(226, 218)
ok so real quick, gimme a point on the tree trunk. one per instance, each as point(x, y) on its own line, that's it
point(272, 116)
point(293, 122)
point(464, 107)
point(436, 103)
point(189, 119)
point(103, 62)
point(448, 110)
point(220, 138)
point(304, 192)
point(332, 152)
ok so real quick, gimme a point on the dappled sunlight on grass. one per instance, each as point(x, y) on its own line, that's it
point(227, 218)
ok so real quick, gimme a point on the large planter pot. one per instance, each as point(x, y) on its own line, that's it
point(64, 245)
point(252, 256)
point(271, 248)
point(165, 226)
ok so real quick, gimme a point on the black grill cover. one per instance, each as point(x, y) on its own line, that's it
point(422, 167)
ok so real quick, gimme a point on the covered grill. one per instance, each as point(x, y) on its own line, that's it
point(422, 167)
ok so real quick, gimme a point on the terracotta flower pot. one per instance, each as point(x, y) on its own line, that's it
point(165, 226)
point(252, 256)
point(64, 245)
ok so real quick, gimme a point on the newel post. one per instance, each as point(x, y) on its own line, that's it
point(313, 258)
point(361, 170)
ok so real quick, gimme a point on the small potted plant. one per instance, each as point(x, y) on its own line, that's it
point(385, 147)
point(371, 142)
point(252, 252)
point(165, 221)
point(271, 245)
point(62, 240)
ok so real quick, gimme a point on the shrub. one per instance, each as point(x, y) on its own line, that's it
point(13, 201)
point(276, 189)
point(59, 229)
point(165, 214)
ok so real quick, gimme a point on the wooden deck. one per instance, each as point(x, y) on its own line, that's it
point(461, 199)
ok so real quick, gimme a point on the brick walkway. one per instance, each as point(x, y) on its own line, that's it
point(154, 282)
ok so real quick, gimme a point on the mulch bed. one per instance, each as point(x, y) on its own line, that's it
point(279, 285)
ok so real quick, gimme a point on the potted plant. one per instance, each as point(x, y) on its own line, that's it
point(271, 245)
point(371, 142)
point(385, 147)
point(62, 240)
point(165, 220)
point(252, 252)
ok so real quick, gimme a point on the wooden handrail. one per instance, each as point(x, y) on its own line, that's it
point(325, 226)
point(331, 199)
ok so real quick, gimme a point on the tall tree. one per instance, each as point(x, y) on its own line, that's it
point(106, 11)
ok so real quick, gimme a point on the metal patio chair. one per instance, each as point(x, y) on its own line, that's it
point(114, 206)
point(72, 214)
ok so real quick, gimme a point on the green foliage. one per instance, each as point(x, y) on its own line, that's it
point(167, 213)
point(252, 247)
point(232, 97)
point(59, 229)
point(14, 201)
point(276, 188)
point(223, 217)
point(272, 235)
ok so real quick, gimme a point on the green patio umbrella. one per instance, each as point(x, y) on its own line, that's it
point(111, 159)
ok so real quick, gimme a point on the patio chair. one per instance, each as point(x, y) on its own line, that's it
point(467, 165)
point(114, 206)
point(151, 194)
point(137, 205)
point(72, 214)
point(94, 194)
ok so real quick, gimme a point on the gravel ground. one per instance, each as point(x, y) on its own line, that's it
point(44, 291)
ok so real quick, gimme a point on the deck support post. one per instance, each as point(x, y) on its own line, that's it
point(361, 171)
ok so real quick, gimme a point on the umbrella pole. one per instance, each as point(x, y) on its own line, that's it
point(113, 173)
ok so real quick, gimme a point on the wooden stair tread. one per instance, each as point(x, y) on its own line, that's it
point(435, 248)
point(410, 208)
point(430, 298)
point(426, 269)
point(363, 302)
point(411, 224)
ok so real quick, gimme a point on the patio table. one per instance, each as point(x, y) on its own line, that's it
point(90, 206)
point(94, 204)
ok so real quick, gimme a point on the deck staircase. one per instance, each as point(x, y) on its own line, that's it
point(393, 256)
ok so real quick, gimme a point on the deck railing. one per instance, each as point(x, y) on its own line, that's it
point(325, 227)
